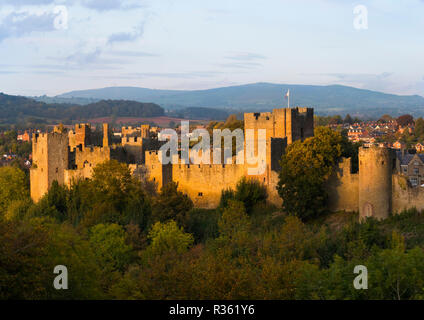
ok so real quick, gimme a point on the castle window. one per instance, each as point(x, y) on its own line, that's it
point(57, 170)
point(200, 194)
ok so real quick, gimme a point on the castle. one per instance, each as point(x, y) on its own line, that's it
point(67, 156)
point(376, 190)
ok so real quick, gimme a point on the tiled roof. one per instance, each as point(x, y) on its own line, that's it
point(406, 159)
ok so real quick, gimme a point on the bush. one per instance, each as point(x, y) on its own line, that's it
point(248, 191)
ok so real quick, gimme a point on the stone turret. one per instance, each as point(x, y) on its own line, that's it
point(375, 182)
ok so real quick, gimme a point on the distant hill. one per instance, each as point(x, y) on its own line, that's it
point(199, 113)
point(53, 100)
point(333, 99)
point(14, 109)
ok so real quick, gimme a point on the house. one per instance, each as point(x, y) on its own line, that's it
point(412, 166)
point(399, 145)
point(419, 147)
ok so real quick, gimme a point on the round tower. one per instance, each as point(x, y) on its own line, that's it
point(375, 182)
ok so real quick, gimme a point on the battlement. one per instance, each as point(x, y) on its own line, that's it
point(43, 137)
point(131, 140)
point(291, 123)
point(82, 126)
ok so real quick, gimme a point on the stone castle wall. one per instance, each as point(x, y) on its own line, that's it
point(343, 188)
point(404, 196)
point(204, 183)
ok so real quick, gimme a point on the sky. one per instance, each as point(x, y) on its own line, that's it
point(55, 46)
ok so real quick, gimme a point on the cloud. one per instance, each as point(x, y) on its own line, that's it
point(17, 3)
point(84, 57)
point(127, 36)
point(243, 60)
point(246, 56)
point(98, 5)
point(360, 77)
point(137, 54)
point(21, 24)
point(8, 72)
point(109, 5)
point(176, 75)
point(244, 65)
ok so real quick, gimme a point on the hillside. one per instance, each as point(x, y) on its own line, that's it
point(333, 99)
point(14, 109)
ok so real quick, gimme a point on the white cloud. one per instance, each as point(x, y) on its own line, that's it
point(24, 23)
point(127, 36)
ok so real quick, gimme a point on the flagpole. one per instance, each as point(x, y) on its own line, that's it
point(288, 100)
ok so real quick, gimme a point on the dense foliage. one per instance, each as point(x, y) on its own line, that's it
point(306, 166)
point(14, 109)
point(119, 241)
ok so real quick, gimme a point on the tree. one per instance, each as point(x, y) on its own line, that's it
point(248, 191)
point(234, 220)
point(168, 237)
point(385, 118)
point(405, 120)
point(13, 186)
point(120, 195)
point(305, 167)
point(251, 192)
point(109, 244)
point(337, 119)
point(419, 128)
point(29, 251)
point(348, 119)
point(171, 204)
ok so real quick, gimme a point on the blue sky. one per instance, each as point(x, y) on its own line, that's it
point(200, 44)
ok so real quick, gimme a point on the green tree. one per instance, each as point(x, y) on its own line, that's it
point(167, 237)
point(109, 243)
point(115, 196)
point(305, 167)
point(419, 129)
point(13, 186)
point(234, 219)
point(171, 204)
point(248, 191)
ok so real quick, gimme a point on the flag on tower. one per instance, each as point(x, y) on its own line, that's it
point(287, 96)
